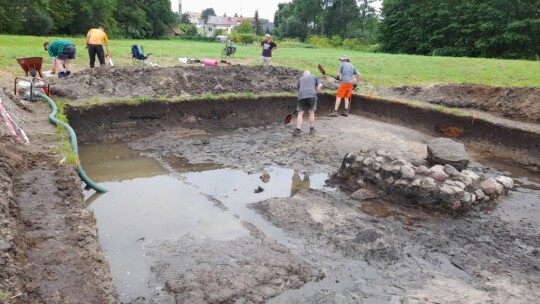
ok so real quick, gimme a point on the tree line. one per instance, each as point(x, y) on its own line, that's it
point(343, 18)
point(473, 28)
point(128, 18)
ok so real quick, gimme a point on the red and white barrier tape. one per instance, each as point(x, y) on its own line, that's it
point(16, 131)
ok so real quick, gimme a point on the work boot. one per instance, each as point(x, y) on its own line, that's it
point(333, 114)
point(345, 112)
point(311, 131)
point(297, 132)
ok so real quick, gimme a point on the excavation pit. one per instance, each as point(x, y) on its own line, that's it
point(321, 239)
point(316, 246)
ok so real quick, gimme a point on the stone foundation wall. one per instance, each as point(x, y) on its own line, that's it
point(440, 187)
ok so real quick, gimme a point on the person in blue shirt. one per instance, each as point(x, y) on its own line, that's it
point(62, 53)
point(349, 76)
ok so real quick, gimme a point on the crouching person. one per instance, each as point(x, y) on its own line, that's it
point(62, 53)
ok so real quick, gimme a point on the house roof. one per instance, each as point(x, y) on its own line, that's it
point(194, 14)
point(228, 21)
point(175, 30)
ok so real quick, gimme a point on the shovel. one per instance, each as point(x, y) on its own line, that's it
point(111, 63)
point(289, 117)
point(321, 69)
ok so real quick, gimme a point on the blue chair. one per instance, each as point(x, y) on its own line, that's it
point(137, 55)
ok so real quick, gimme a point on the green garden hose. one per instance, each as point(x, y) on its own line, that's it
point(53, 119)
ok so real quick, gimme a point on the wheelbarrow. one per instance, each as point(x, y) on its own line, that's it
point(31, 65)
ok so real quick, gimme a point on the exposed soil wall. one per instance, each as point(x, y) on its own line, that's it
point(124, 121)
point(49, 250)
point(520, 103)
point(522, 146)
point(12, 246)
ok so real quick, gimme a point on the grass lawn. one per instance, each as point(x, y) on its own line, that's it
point(376, 68)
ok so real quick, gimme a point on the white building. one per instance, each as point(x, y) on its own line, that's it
point(224, 23)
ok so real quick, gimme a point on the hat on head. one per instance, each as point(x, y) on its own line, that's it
point(344, 57)
point(267, 35)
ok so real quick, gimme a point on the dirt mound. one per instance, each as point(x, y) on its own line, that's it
point(522, 103)
point(174, 81)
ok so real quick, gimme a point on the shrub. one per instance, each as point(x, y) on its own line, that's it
point(196, 38)
point(319, 41)
point(244, 39)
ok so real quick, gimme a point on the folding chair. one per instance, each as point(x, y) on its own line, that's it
point(137, 55)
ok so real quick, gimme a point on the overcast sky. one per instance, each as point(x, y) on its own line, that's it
point(246, 8)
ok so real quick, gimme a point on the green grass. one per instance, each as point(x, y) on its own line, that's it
point(376, 68)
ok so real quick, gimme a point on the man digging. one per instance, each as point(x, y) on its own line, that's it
point(348, 73)
point(308, 87)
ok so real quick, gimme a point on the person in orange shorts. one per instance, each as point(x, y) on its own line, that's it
point(349, 76)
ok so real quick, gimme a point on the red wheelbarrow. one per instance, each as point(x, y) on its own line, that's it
point(31, 65)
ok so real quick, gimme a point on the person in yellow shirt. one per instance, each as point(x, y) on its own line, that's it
point(94, 40)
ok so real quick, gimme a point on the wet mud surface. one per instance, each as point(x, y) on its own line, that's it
point(374, 251)
point(313, 247)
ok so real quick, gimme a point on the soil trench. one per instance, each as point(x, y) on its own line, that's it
point(311, 245)
point(353, 253)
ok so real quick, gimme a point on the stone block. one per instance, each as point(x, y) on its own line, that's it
point(446, 151)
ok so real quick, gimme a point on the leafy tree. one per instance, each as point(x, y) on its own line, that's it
point(132, 19)
point(368, 20)
point(188, 29)
point(11, 16)
point(244, 27)
point(294, 28)
point(285, 10)
point(37, 21)
point(207, 13)
point(92, 13)
point(341, 18)
point(310, 12)
point(258, 24)
point(62, 14)
point(160, 15)
point(244, 33)
point(185, 18)
point(486, 28)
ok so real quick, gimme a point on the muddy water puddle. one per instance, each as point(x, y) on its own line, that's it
point(146, 202)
